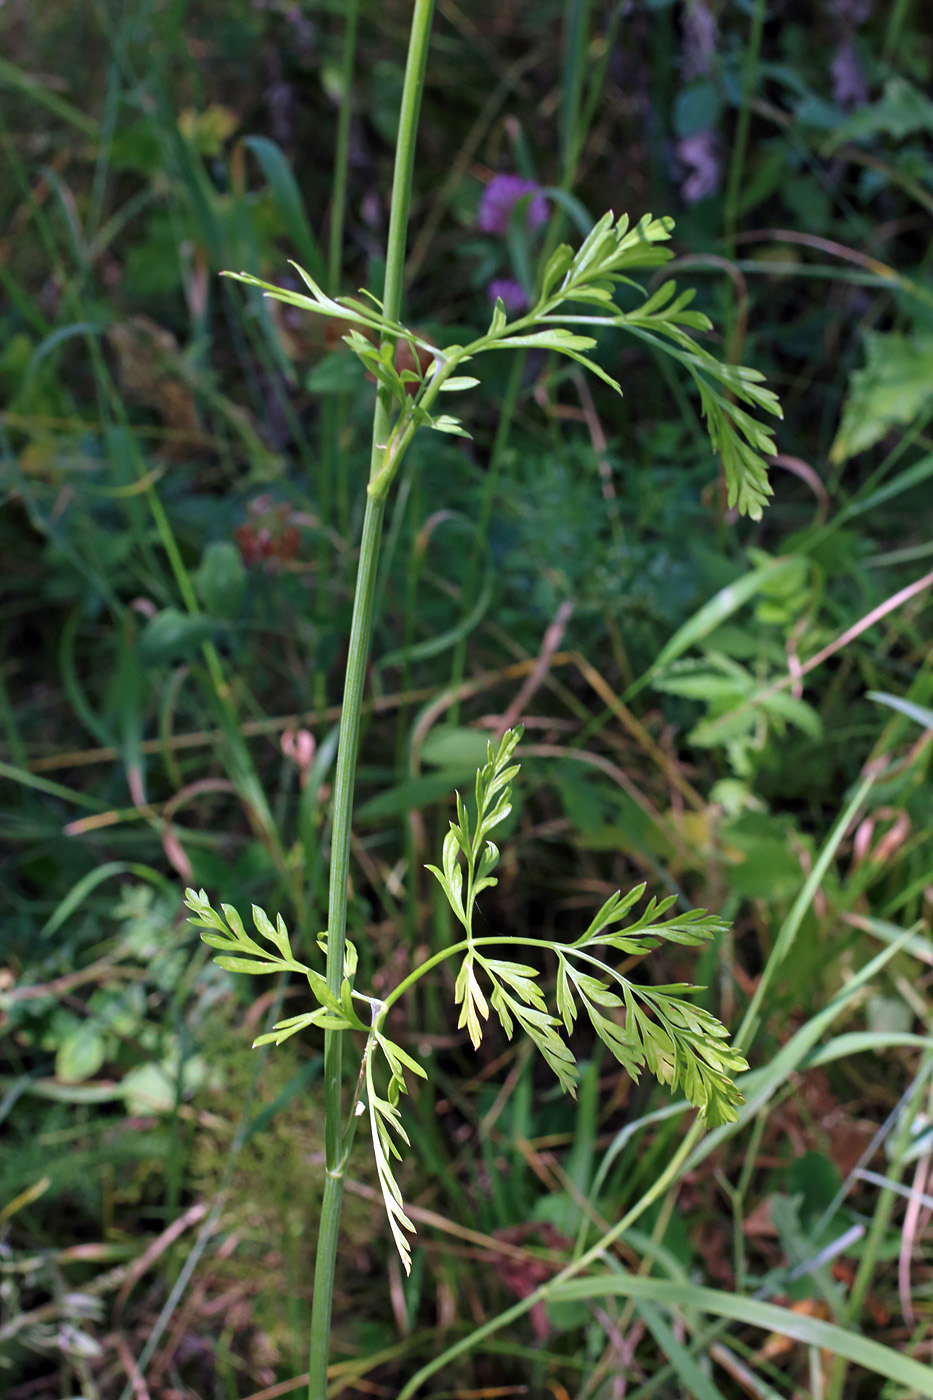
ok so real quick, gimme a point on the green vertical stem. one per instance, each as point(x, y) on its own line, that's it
point(322, 1301)
point(334, 1147)
point(334, 1154)
point(740, 145)
point(401, 201)
point(576, 45)
point(342, 148)
point(896, 17)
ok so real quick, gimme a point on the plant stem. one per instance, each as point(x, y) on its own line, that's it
point(334, 1155)
point(334, 1148)
point(576, 44)
point(323, 1297)
point(342, 149)
point(401, 202)
point(740, 141)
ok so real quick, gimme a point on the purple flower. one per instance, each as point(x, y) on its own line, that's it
point(511, 293)
point(499, 199)
point(699, 155)
point(849, 86)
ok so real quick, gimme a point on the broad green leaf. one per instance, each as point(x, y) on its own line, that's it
point(221, 580)
point(173, 636)
point(451, 746)
point(895, 386)
point(455, 385)
point(902, 110)
point(80, 1053)
point(414, 794)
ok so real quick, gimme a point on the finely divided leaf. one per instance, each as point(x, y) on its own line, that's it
point(273, 933)
point(240, 952)
point(384, 1121)
point(469, 997)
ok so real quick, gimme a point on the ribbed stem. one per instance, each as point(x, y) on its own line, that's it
point(336, 945)
point(334, 1148)
point(401, 202)
point(324, 1263)
point(343, 809)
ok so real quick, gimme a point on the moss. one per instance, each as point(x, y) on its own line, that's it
point(270, 1217)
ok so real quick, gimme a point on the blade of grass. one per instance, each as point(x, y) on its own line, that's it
point(85, 886)
point(287, 196)
point(873, 1356)
point(791, 926)
point(920, 714)
point(684, 1365)
point(36, 91)
point(750, 63)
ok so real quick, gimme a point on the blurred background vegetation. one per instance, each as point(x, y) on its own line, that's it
point(183, 472)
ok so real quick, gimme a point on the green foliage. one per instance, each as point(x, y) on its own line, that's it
point(745, 710)
point(587, 277)
point(332, 1013)
point(679, 1043)
point(901, 111)
point(682, 1045)
point(892, 389)
point(240, 952)
point(270, 1193)
point(126, 573)
point(385, 1120)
